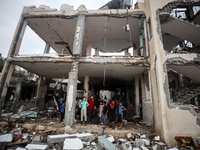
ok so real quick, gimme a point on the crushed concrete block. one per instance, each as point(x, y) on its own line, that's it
point(36, 147)
point(58, 138)
point(146, 141)
point(127, 146)
point(111, 138)
point(157, 138)
point(107, 145)
point(139, 143)
point(19, 148)
point(129, 135)
point(6, 138)
point(144, 148)
point(143, 136)
point(70, 144)
point(16, 131)
point(122, 140)
point(173, 148)
point(36, 139)
point(85, 136)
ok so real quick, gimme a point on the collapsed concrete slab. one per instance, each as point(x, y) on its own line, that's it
point(73, 144)
point(6, 138)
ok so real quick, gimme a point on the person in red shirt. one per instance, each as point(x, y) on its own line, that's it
point(91, 109)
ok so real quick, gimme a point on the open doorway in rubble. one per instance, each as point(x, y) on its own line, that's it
point(21, 89)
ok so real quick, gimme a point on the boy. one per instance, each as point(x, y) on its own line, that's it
point(104, 115)
point(121, 109)
point(84, 104)
point(62, 108)
point(100, 111)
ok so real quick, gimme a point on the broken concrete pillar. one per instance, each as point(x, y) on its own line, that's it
point(78, 38)
point(137, 97)
point(47, 48)
point(41, 93)
point(86, 87)
point(71, 94)
point(89, 49)
point(17, 94)
point(4, 82)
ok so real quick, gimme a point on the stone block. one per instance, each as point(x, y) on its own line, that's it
point(6, 138)
point(36, 147)
point(139, 143)
point(70, 144)
point(107, 145)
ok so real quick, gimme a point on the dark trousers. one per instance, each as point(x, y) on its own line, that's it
point(90, 115)
point(62, 116)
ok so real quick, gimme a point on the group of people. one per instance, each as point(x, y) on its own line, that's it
point(103, 112)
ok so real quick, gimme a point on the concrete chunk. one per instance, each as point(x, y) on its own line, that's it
point(107, 145)
point(111, 139)
point(144, 148)
point(70, 144)
point(36, 147)
point(139, 143)
point(173, 148)
point(6, 138)
point(146, 141)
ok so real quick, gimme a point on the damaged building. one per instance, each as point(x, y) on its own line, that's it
point(158, 66)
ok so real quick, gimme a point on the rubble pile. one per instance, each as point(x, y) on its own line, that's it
point(23, 139)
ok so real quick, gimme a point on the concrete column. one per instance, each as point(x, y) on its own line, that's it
point(78, 38)
point(89, 49)
point(47, 48)
point(137, 97)
point(146, 39)
point(71, 94)
point(86, 87)
point(4, 82)
point(41, 93)
point(17, 94)
point(96, 52)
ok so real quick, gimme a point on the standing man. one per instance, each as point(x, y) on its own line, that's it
point(62, 109)
point(91, 109)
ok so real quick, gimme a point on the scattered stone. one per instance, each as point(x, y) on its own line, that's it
point(157, 138)
point(70, 144)
point(107, 145)
point(111, 138)
point(144, 148)
point(139, 143)
point(36, 147)
point(6, 138)
point(129, 135)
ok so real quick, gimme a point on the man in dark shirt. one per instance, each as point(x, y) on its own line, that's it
point(112, 111)
point(105, 112)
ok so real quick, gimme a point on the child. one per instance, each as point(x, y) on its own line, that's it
point(100, 111)
point(84, 104)
point(104, 115)
point(121, 109)
point(62, 108)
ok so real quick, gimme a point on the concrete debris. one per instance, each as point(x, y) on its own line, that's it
point(173, 148)
point(6, 138)
point(111, 138)
point(157, 138)
point(127, 146)
point(144, 148)
point(36, 147)
point(70, 144)
point(107, 145)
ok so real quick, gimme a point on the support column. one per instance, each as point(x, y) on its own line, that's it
point(41, 93)
point(146, 39)
point(86, 87)
point(71, 94)
point(17, 94)
point(4, 82)
point(47, 48)
point(89, 49)
point(9, 66)
point(137, 97)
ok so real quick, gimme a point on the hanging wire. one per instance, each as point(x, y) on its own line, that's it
point(104, 75)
